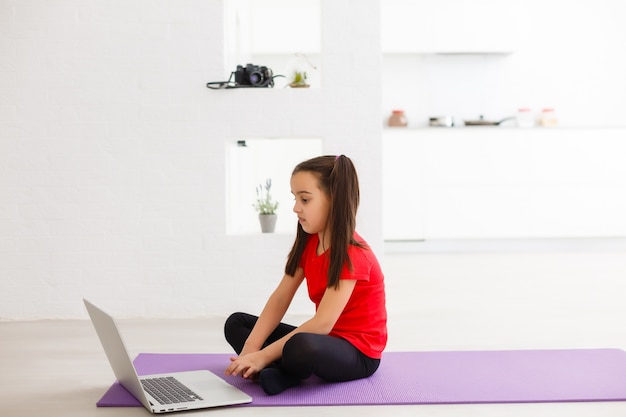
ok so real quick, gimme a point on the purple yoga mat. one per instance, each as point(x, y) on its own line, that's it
point(514, 376)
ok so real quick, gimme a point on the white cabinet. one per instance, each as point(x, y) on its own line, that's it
point(578, 182)
point(449, 26)
point(476, 184)
point(481, 183)
point(403, 167)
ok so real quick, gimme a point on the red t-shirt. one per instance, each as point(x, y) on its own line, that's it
point(363, 321)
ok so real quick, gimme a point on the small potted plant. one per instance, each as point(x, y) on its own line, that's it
point(300, 65)
point(266, 206)
point(298, 80)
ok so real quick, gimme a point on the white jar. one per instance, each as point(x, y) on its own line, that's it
point(548, 118)
point(525, 117)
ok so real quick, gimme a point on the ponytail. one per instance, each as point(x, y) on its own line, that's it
point(338, 179)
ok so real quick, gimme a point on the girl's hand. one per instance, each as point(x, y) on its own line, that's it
point(247, 366)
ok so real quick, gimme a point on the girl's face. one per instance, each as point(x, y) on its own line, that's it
point(312, 205)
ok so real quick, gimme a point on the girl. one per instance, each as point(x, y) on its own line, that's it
point(346, 336)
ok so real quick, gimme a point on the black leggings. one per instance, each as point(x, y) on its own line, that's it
point(331, 358)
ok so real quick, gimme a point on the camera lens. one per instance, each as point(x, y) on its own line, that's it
point(255, 78)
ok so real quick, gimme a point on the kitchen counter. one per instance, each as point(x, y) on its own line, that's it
point(503, 127)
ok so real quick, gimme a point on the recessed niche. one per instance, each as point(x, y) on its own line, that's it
point(283, 35)
point(250, 161)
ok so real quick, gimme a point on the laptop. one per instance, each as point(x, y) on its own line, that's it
point(162, 393)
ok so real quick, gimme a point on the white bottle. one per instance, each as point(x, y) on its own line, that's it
point(525, 117)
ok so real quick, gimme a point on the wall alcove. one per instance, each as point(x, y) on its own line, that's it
point(250, 161)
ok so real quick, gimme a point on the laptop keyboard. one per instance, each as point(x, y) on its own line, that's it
point(168, 390)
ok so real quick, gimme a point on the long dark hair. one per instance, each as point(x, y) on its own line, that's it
point(339, 181)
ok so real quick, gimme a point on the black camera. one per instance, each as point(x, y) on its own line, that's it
point(254, 76)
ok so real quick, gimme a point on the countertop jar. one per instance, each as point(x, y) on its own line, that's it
point(525, 117)
point(548, 118)
point(397, 119)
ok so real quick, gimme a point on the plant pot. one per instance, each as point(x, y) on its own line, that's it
point(268, 222)
point(299, 85)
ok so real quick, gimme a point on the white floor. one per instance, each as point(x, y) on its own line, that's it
point(558, 297)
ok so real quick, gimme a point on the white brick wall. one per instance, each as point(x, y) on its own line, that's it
point(112, 154)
